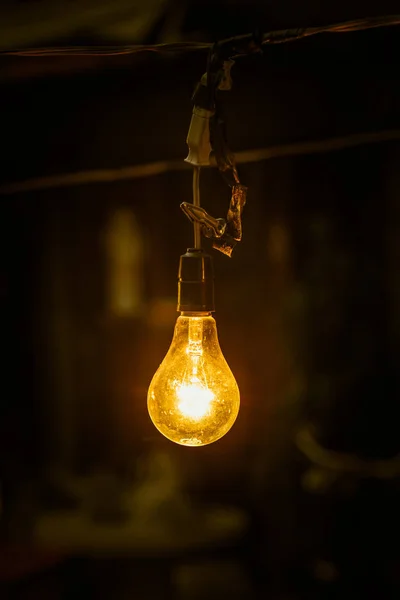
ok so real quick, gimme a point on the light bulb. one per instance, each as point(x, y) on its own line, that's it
point(193, 398)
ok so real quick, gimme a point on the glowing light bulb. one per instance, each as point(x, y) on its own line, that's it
point(193, 398)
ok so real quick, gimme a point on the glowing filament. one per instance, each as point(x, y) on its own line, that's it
point(194, 399)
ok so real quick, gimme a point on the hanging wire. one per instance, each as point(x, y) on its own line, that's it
point(196, 202)
point(158, 168)
point(240, 45)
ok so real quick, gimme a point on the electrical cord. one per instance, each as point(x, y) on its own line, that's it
point(196, 202)
point(236, 46)
point(158, 168)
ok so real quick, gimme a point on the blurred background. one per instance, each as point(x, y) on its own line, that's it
point(301, 499)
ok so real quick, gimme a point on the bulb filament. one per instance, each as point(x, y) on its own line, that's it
point(193, 394)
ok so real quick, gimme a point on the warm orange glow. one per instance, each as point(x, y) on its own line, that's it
point(193, 398)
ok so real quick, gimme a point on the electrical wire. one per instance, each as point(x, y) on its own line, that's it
point(240, 45)
point(168, 166)
point(196, 202)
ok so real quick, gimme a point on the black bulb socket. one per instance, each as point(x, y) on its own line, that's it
point(196, 282)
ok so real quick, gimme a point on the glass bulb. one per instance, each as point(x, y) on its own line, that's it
point(193, 398)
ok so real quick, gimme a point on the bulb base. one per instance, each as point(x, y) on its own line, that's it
point(196, 282)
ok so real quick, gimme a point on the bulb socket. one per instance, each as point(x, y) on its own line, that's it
point(196, 282)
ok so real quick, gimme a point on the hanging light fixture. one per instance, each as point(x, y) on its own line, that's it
point(193, 398)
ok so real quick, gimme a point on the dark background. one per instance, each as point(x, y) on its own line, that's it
point(307, 310)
